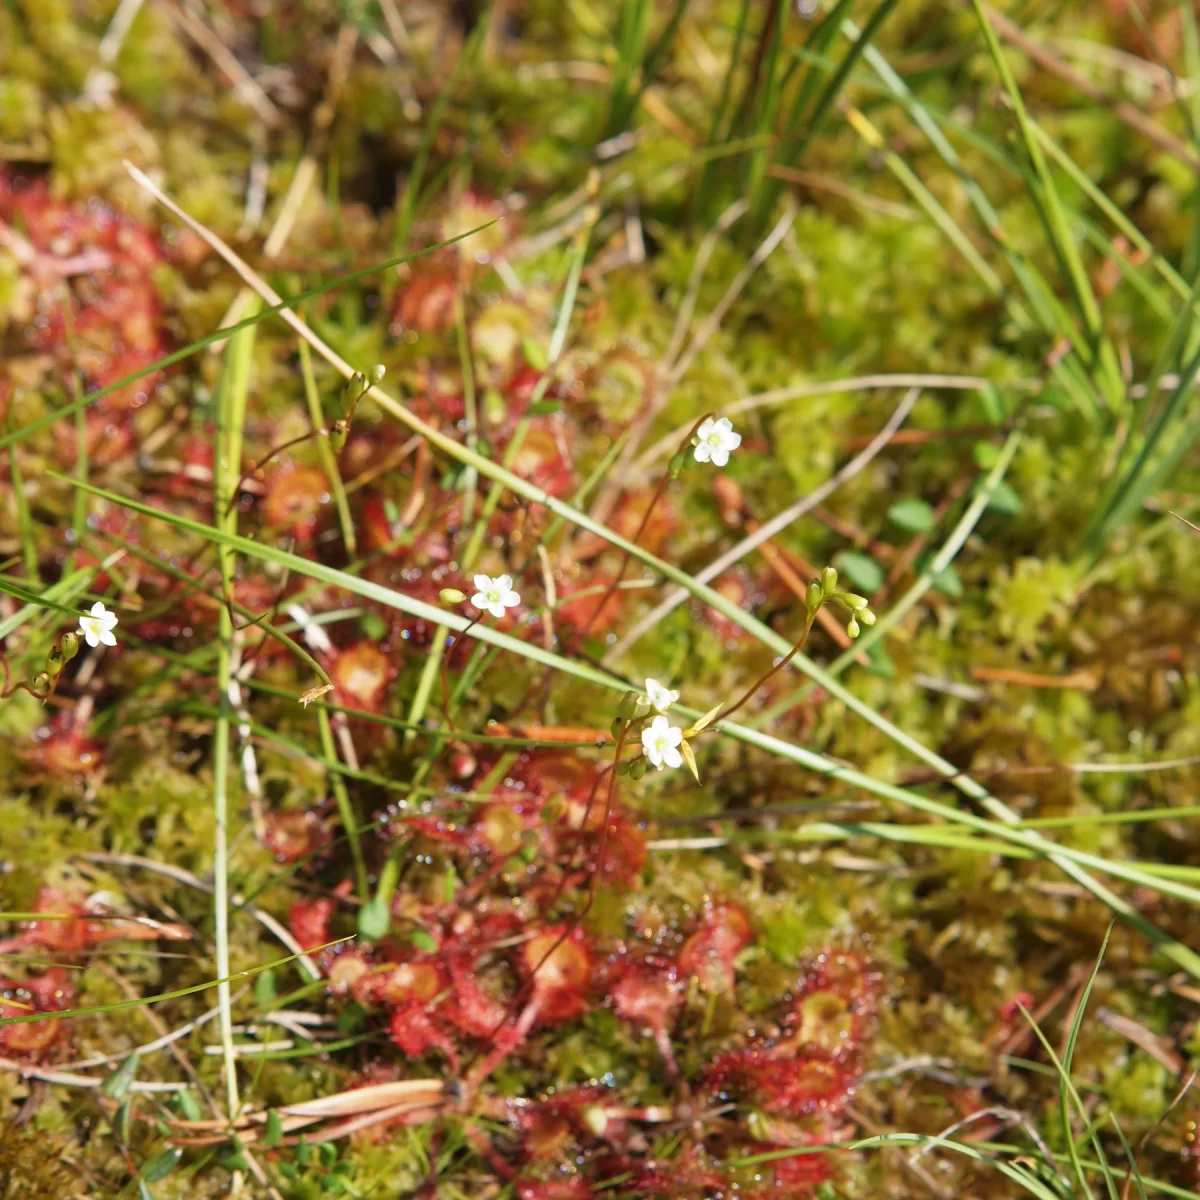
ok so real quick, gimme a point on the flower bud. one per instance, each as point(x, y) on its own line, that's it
point(852, 629)
point(617, 725)
point(637, 768)
point(40, 683)
point(814, 597)
point(622, 768)
point(676, 465)
point(867, 617)
point(378, 371)
point(829, 580)
point(452, 596)
point(629, 705)
point(55, 661)
point(338, 435)
point(69, 645)
point(854, 602)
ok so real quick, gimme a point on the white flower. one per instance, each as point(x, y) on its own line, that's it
point(660, 698)
point(97, 627)
point(661, 743)
point(494, 595)
point(716, 439)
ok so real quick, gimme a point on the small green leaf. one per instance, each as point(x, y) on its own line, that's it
point(948, 583)
point(914, 515)
point(159, 1166)
point(985, 455)
point(123, 1121)
point(535, 355)
point(351, 1018)
point(328, 1153)
point(862, 571)
point(303, 1151)
point(274, 1131)
point(879, 662)
point(116, 1086)
point(992, 403)
point(1004, 500)
point(374, 626)
point(423, 940)
point(188, 1106)
point(264, 988)
point(374, 919)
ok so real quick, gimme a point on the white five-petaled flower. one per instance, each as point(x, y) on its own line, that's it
point(660, 698)
point(661, 742)
point(494, 595)
point(716, 439)
point(97, 626)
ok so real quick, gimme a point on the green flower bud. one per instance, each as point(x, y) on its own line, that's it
point(617, 725)
point(829, 580)
point(40, 683)
point(69, 645)
point(629, 705)
point(338, 435)
point(378, 371)
point(814, 597)
point(55, 660)
point(852, 629)
point(867, 617)
point(854, 602)
point(637, 768)
point(622, 768)
point(452, 596)
point(676, 465)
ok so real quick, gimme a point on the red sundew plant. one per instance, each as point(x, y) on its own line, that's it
point(295, 500)
point(62, 748)
point(95, 306)
point(52, 991)
point(292, 836)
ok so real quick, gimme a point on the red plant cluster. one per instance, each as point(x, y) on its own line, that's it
point(95, 306)
point(49, 992)
point(499, 965)
point(71, 927)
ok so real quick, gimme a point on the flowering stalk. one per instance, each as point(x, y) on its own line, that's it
point(672, 472)
point(355, 388)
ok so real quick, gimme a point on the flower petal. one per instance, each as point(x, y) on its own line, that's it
point(672, 757)
point(703, 452)
point(98, 610)
point(720, 456)
point(511, 599)
point(107, 638)
point(503, 583)
point(482, 583)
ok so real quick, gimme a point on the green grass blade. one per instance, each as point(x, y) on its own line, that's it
point(325, 452)
point(1050, 209)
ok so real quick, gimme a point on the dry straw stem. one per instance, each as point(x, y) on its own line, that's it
point(1071, 862)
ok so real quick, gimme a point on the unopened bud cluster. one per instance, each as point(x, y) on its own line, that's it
point(825, 589)
point(354, 389)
